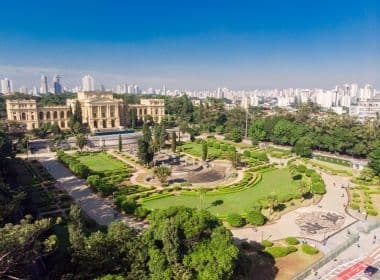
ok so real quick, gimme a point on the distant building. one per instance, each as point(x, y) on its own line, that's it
point(57, 84)
point(44, 85)
point(88, 83)
point(100, 111)
point(6, 86)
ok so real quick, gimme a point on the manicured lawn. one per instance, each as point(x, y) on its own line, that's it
point(195, 149)
point(278, 181)
point(100, 161)
point(331, 167)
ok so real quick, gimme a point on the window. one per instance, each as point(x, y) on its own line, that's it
point(113, 123)
point(95, 124)
point(62, 115)
point(62, 124)
point(55, 115)
point(48, 115)
point(23, 116)
point(104, 124)
point(41, 115)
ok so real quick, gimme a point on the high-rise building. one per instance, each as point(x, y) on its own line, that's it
point(6, 86)
point(88, 83)
point(23, 90)
point(57, 84)
point(44, 85)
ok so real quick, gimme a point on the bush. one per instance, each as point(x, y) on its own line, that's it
point(310, 250)
point(267, 243)
point(372, 212)
point(318, 187)
point(255, 218)
point(355, 206)
point(292, 241)
point(235, 220)
point(128, 206)
point(297, 177)
point(141, 212)
point(278, 252)
point(301, 168)
point(93, 180)
point(247, 153)
point(309, 172)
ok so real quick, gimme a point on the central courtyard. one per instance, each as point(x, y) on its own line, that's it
point(277, 181)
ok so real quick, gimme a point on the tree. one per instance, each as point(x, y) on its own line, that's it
point(204, 150)
point(117, 250)
point(162, 172)
point(255, 217)
point(23, 244)
point(145, 152)
point(162, 136)
point(272, 201)
point(55, 129)
point(182, 128)
point(235, 158)
point(202, 192)
point(184, 243)
point(367, 174)
point(81, 140)
point(303, 147)
point(120, 143)
point(374, 158)
point(234, 135)
point(78, 113)
point(174, 142)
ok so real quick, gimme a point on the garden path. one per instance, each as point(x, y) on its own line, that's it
point(315, 222)
point(100, 209)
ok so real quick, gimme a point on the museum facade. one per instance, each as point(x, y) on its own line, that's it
point(100, 111)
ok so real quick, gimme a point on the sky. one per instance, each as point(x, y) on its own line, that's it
point(192, 44)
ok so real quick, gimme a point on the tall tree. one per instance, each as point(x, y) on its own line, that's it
point(374, 158)
point(174, 142)
point(162, 136)
point(120, 143)
point(204, 150)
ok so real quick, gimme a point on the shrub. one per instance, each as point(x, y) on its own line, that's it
point(235, 220)
point(210, 143)
point(93, 180)
point(355, 206)
point(267, 243)
point(141, 212)
point(309, 172)
point(278, 252)
point(318, 188)
point(255, 218)
point(292, 241)
point(310, 250)
point(301, 168)
point(297, 177)
point(223, 147)
point(372, 212)
point(128, 205)
point(247, 153)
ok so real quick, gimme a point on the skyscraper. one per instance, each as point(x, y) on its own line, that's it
point(88, 83)
point(44, 85)
point(57, 84)
point(6, 86)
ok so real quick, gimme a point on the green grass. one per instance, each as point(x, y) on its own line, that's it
point(331, 167)
point(100, 161)
point(195, 149)
point(278, 181)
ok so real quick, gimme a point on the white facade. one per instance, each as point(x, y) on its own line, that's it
point(44, 85)
point(88, 83)
point(6, 86)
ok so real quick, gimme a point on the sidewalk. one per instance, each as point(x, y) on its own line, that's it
point(97, 208)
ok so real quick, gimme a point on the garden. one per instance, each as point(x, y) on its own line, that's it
point(365, 199)
point(251, 192)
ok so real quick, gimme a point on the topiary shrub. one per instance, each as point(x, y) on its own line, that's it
point(255, 218)
point(278, 252)
point(267, 243)
point(247, 153)
point(301, 168)
point(292, 241)
point(310, 250)
point(235, 220)
point(142, 212)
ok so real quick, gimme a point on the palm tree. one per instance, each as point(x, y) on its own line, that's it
point(202, 192)
point(272, 201)
point(81, 140)
point(162, 172)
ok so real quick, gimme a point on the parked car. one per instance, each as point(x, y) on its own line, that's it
point(371, 270)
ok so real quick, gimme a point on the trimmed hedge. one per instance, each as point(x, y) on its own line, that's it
point(310, 250)
point(267, 243)
point(278, 252)
point(292, 241)
point(235, 220)
point(255, 218)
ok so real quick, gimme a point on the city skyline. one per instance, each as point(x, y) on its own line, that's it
point(243, 46)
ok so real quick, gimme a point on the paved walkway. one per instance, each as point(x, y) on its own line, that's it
point(332, 202)
point(100, 209)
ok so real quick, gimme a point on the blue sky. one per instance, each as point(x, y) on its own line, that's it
point(192, 44)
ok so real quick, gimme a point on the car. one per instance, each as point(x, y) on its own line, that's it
point(370, 270)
